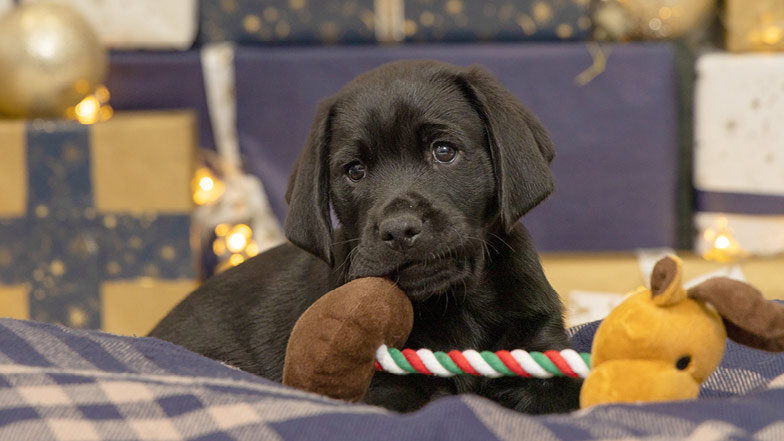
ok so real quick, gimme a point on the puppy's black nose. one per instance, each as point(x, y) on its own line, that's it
point(400, 231)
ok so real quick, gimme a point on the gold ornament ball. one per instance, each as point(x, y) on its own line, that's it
point(50, 59)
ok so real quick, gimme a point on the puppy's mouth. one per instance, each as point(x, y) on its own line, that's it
point(423, 279)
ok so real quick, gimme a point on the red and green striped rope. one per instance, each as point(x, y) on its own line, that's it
point(547, 364)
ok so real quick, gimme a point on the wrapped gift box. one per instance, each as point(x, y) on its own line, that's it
point(367, 21)
point(95, 219)
point(158, 81)
point(495, 20)
point(739, 153)
point(756, 25)
point(616, 138)
point(139, 24)
point(591, 284)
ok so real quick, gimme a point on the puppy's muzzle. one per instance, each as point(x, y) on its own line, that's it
point(400, 231)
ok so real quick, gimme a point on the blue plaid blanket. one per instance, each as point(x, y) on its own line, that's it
point(61, 384)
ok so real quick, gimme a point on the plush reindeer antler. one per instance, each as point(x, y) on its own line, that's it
point(749, 318)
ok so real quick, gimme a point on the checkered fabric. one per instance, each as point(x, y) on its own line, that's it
point(62, 384)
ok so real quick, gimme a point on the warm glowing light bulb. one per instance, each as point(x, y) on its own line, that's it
point(221, 230)
point(236, 259)
point(206, 183)
point(88, 110)
point(219, 247)
point(236, 242)
point(772, 35)
point(722, 242)
point(243, 230)
point(252, 249)
point(206, 187)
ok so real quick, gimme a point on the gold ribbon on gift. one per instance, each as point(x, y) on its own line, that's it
point(390, 21)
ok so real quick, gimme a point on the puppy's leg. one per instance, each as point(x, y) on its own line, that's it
point(406, 393)
point(559, 394)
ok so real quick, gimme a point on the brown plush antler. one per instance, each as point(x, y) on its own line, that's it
point(332, 348)
point(750, 319)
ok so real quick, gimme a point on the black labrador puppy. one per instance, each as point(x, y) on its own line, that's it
point(428, 168)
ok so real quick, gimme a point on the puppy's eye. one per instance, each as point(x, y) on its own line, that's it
point(355, 171)
point(444, 153)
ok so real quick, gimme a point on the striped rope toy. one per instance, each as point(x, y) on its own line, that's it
point(566, 363)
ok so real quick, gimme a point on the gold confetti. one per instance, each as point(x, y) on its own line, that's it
point(542, 12)
point(563, 31)
point(228, 6)
point(110, 221)
point(57, 267)
point(251, 23)
point(135, 242)
point(113, 268)
point(330, 31)
point(282, 29)
point(427, 18)
point(71, 153)
point(151, 270)
point(168, 252)
point(42, 211)
point(77, 317)
point(454, 7)
point(270, 14)
point(411, 27)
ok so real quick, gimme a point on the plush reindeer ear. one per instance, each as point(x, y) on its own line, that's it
point(519, 145)
point(667, 281)
point(750, 319)
point(308, 223)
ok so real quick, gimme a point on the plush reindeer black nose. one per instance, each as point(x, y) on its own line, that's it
point(400, 231)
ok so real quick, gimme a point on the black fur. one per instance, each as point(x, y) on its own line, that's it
point(447, 233)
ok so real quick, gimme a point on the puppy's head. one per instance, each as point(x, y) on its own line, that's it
point(420, 161)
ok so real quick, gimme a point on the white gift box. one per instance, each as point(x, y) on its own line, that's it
point(739, 124)
point(739, 149)
point(139, 24)
point(5, 6)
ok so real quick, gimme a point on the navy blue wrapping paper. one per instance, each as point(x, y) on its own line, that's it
point(367, 21)
point(496, 20)
point(285, 21)
point(147, 80)
point(740, 203)
point(616, 137)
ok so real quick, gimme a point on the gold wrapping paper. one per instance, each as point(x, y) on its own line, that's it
point(14, 302)
point(755, 25)
point(134, 307)
point(144, 162)
point(13, 168)
point(620, 272)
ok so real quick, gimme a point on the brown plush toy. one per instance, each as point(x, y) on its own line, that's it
point(661, 344)
point(332, 349)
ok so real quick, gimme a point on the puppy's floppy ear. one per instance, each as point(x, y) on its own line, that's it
point(308, 223)
point(520, 147)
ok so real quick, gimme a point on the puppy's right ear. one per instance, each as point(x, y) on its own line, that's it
point(308, 224)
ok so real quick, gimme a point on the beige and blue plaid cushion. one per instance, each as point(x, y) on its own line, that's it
point(61, 384)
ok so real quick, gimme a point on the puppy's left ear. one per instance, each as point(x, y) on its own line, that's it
point(520, 147)
point(308, 224)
